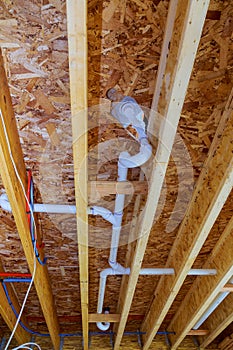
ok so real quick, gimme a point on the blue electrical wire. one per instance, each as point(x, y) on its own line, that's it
point(62, 335)
point(16, 314)
point(12, 280)
point(32, 226)
point(28, 329)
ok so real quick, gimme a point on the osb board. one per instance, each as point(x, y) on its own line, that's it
point(124, 49)
point(129, 342)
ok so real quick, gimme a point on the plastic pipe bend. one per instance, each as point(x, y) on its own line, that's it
point(103, 326)
point(128, 161)
point(105, 213)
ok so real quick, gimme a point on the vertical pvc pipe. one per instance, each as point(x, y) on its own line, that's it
point(118, 214)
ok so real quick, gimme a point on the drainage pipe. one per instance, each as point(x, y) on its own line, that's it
point(143, 272)
point(125, 162)
point(124, 112)
point(41, 208)
point(217, 301)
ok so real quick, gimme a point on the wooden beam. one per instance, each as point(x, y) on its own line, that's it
point(179, 65)
point(211, 191)
point(105, 188)
point(226, 343)
point(131, 244)
point(93, 318)
point(219, 320)
point(204, 291)
point(17, 201)
point(7, 313)
point(78, 60)
point(198, 332)
point(9, 317)
point(227, 288)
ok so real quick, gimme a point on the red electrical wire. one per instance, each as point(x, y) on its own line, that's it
point(7, 274)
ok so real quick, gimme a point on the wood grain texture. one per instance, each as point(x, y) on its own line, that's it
point(77, 40)
point(211, 192)
point(204, 292)
point(17, 200)
point(177, 74)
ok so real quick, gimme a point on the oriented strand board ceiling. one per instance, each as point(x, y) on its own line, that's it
point(124, 46)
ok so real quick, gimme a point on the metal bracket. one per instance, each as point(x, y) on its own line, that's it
point(167, 340)
point(139, 336)
point(111, 334)
point(196, 342)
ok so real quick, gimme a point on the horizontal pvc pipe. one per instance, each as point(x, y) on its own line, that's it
point(151, 271)
point(120, 270)
point(202, 272)
point(12, 280)
point(55, 208)
point(211, 309)
point(220, 297)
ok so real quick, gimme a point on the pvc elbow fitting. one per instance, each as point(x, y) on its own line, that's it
point(104, 326)
point(126, 160)
point(105, 213)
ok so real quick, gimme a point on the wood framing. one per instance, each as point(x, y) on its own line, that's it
point(77, 41)
point(7, 313)
point(9, 140)
point(104, 188)
point(227, 288)
point(210, 194)
point(204, 291)
point(227, 342)
point(190, 18)
point(219, 320)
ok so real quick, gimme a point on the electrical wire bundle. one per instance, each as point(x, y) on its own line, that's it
point(34, 245)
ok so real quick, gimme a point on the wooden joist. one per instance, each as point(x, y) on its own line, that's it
point(204, 291)
point(16, 197)
point(211, 191)
point(77, 40)
point(189, 22)
point(98, 189)
point(227, 288)
point(219, 320)
point(93, 318)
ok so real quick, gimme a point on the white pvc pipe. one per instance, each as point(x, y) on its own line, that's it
point(125, 162)
point(54, 208)
point(105, 213)
point(103, 326)
point(120, 270)
point(211, 309)
point(202, 272)
point(220, 297)
point(151, 271)
point(118, 214)
point(41, 208)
